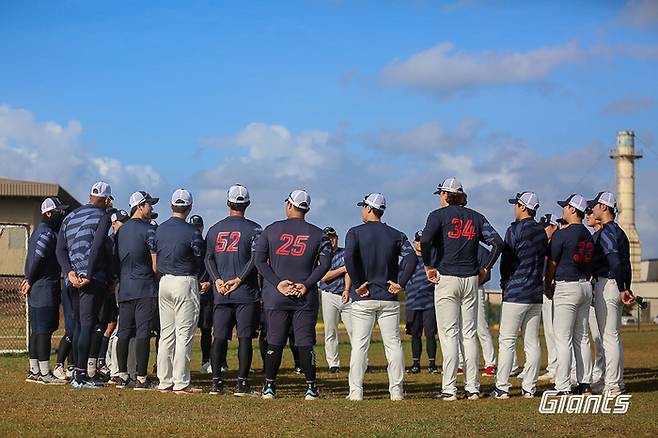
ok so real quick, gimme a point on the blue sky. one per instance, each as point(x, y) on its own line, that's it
point(340, 97)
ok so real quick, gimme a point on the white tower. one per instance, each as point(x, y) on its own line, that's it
point(624, 155)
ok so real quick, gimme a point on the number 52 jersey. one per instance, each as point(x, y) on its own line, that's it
point(294, 250)
point(229, 245)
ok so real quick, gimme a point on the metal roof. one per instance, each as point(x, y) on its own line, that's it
point(34, 189)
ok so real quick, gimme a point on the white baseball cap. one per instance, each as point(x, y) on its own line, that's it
point(605, 198)
point(576, 201)
point(141, 197)
point(374, 200)
point(237, 194)
point(300, 199)
point(50, 204)
point(527, 199)
point(102, 190)
point(452, 185)
point(181, 198)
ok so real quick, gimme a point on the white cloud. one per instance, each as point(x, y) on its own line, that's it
point(629, 104)
point(442, 69)
point(640, 13)
point(48, 151)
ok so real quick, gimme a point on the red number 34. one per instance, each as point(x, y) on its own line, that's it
point(462, 230)
point(292, 245)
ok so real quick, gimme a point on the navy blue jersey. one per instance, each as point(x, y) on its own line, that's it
point(612, 255)
point(41, 268)
point(81, 242)
point(455, 232)
point(372, 254)
point(229, 254)
point(293, 250)
point(483, 258)
point(522, 262)
point(179, 248)
point(419, 291)
point(337, 285)
point(134, 247)
point(572, 249)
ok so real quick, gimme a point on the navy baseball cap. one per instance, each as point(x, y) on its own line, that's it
point(154, 215)
point(548, 219)
point(330, 231)
point(527, 199)
point(418, 235)
point(120, 215)
point(576, 201)
point(195, 219)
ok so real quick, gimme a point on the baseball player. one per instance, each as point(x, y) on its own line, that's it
point(179, 256)
point(567, 281)
point(420, 314)
point(42, 287)
point(135, 249)
point(453, 233)
point(80, 248)
point(292, 255)
point(521, 279)
point(372, 257)
point(612, 270)
point(206, 309)
point(598, 369)
point(229, 261)
point(336, 306)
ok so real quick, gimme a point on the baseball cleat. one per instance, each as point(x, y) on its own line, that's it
point(218, 388)
point(85, 384)
point(166, 390)
point(242, 389)
point(312, 393)
point(489, 371)
point(516, 371)
point(527, 394)
point(499, 394)
point(69, 372)
point(334, 370)
point(298, 370)
point(205, 368)
point(121, 383)
point(415, 369)
point(50, 379)
point(269, 391)
point(432, 369)
point(584, 389)
point(472, 395)
point(32, 378)
point(546, 376)
point(146, 386)
point(460, 371)
point(60, 372)
point(187, 390)
point(445, 396)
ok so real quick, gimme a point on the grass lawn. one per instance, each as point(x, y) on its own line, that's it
point(36, 410)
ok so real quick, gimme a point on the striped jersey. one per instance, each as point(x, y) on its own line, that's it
point(522, 262)
point(612, 255)
point(41, 268)
point(419, 292)
point(81, 242)
point(337, 285)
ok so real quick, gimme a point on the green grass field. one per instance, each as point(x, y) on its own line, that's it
point(36, 410)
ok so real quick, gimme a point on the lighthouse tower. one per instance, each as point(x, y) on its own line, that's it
point(625, 155)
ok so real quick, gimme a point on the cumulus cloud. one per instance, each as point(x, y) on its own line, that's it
point(629, 104)
point(444, 69)
point(48, 151)
point(640, 13)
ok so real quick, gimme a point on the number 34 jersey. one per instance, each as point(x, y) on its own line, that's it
point(294, 250)
point(229, 255)
point(450, 241)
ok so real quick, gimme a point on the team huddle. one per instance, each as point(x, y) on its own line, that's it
point(128, 280)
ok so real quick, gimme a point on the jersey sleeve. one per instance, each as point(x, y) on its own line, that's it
point(45, 245)
point(62, 251)
point(150, 239)
point(555, 249)
point(507, 257)
point(249, 267)
point(611, 252)
point(209, 259)
point(324, 262)
point(98, 245)
point(261, 259)
point(410, 260)
point(431, 230)
point(351, 255)
point(489, 236)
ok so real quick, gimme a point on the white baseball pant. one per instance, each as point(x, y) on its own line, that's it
point(387, 315)
point(456, 297)
point(549, 334)
point(179, 313)
point(608, 307)
point(334, 310)
point(112, 361)
point(515, 316)
point(484, 334)
point(571, 303)
point(598, 369)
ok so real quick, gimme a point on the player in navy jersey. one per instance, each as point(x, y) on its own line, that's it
point(521, 280)
point(598, 365)
point(612, 270)
point(292, 255)
point(80, 247)
point(420, 313)
point(229, 261)
point(42, 287)
point(135, 251)
point(449, 246)
point(206, 303)
point(372, 258)
point(336, 305)
point(567, 283)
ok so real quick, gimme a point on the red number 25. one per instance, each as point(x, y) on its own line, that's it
point(296, 242)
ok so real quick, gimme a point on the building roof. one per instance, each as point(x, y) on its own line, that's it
point(33, 189)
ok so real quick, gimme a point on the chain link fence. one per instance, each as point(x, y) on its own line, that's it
point(14, 323)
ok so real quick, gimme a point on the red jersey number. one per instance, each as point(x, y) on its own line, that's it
point(292, 245)
point(584, 252)
point(462, 229)
point(227, 241)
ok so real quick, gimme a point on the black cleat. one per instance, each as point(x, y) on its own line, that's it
point(218, 387)
point(334, 370)
point(242, 389)
point(432, 369)
point(415, 369)
point(584, 389)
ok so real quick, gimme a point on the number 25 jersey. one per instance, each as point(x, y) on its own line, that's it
point(294, 250)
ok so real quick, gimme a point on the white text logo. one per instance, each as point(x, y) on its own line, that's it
point(551, 403)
